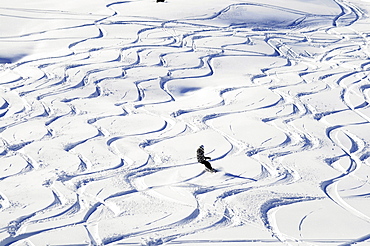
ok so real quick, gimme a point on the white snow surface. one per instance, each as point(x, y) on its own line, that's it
point(103, 104)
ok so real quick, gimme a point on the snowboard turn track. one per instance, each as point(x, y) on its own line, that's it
point(97, 143)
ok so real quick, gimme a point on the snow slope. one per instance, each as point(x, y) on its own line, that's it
point(103, 105)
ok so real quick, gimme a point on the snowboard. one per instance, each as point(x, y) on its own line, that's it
point(211, 170)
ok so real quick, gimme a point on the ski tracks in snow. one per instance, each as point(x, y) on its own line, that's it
point(100, 141)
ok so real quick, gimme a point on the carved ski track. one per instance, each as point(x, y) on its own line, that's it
point(351, 82)
point(350, 14)
point(297, 140)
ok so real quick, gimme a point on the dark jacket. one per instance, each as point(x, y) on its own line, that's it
point(200, 155)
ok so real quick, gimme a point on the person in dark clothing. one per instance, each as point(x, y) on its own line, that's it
point(203, 159)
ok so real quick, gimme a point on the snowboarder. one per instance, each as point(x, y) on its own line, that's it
point(203, 159)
